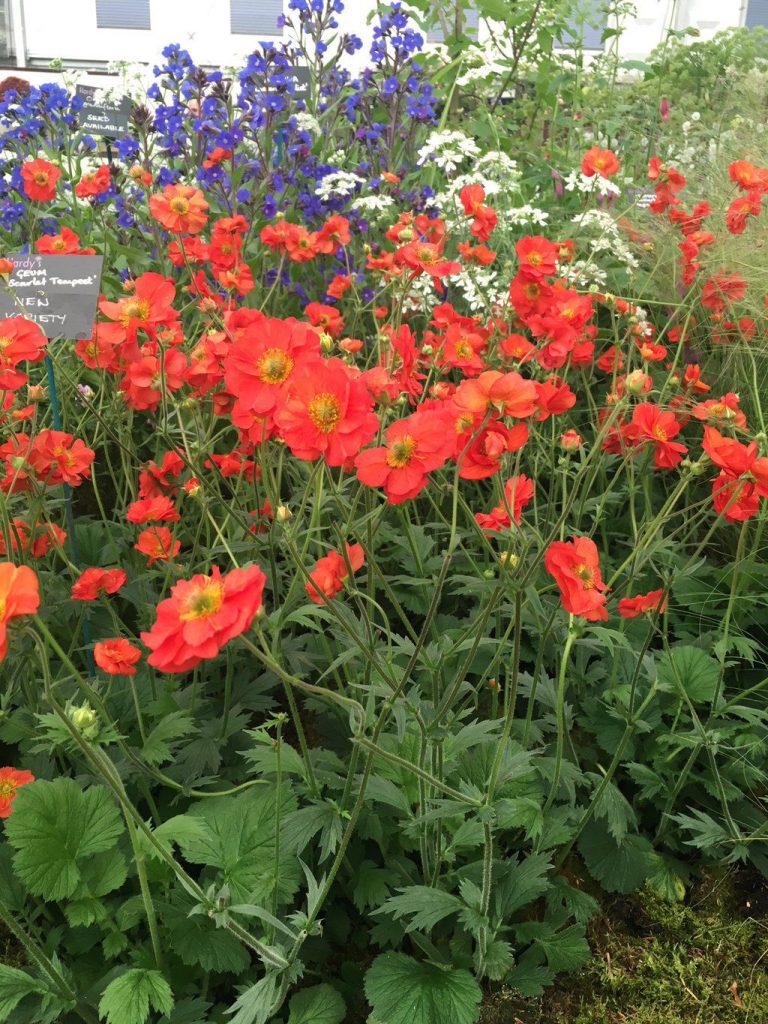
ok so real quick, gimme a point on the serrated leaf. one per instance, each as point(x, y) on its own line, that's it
point(426, 905)
point(56, 827)
point(613, 807)
point(521, 812)
point(517, 885)
point(129, 998)
point(564, 950)
point(665, 881)
point(691, 669)
point(320, 1004)
point(197, 941)
point(159, 745)
point(15, 985)
point(236, 835)
point(255, 1004)
point(618, 867)
point(498, 961)
point(371, 885)
point(402, 990)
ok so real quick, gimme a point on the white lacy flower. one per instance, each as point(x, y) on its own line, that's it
point(448, 150)
point(338, 183)
point(306, 123)
point(578, 182)
point(372, 204)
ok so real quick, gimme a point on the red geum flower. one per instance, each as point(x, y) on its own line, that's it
point(158, 544)
point(553, 398)
point(723, 290)
point(64, 244)
point(147, 377)
point(180, 208)
point(262, 359)
point(338, 286)
point(57, 458)
point(518, 492)
point(749, 177)
point(483, 456)
point(159, 509)
point(39, 179)
point(94, 582)
point(334, 233)
point(427, 258)
point(326, 412)
point(479, 255)
point(332, 571)
point(538, 257)
point(485, 219)
point(574, 565)
point(149, 306)
point(508, 393)
point(116, 657)
point(327, 318)
point(632, 607)
point(201, 616)
point(20, 341)
point(94, 184)
point(10, 780)
point(741, 209)
point(653, 425)
point(599, 161)
point(462, 348)
point(19, 595)
point(721, 411)
point(415, 446)
point(571, 441)
point(155, 480)
point(35, 541)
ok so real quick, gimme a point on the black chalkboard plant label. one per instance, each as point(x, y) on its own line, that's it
point(58, 293)
point(107, 118)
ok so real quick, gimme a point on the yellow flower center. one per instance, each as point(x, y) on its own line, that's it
point(41, 177)
point(534, 258)
point(205, 602)
point(3, 606)
point(401, 452)
point(586, 575)
point(7, 789)
point(135, 309)
point(59, 244)
point(325, 412)
point(179, 205)
point(274, 366)
point(660, 433)
point(463, 349)
point(5, 341)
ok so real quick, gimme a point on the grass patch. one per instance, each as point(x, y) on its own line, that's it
point(701, 962)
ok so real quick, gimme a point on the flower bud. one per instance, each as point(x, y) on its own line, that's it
point(509, 559)
point(85, 721)
point(571, 441)
point(6, 267)
point(637, 382)
point(283, 514)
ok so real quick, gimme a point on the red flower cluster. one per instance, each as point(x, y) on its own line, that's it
point(328, 577)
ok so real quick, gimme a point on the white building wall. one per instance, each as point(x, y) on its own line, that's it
point(66, 29)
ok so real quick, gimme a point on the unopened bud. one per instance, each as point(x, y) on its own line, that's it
point(283, 514)
point(509, 559)
point(85, 721)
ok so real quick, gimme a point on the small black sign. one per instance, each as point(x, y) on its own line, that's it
point(107, 118)
point(58, 292)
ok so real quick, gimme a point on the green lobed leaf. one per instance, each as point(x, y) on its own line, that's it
point(426, 906)
point(56, 828)
point(15, 985)
point(129, 998)
point(321, 1004)
point(618, 867)
point(691, 669)
point(402, 990)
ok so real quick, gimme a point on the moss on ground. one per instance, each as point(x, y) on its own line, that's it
point(702, 962)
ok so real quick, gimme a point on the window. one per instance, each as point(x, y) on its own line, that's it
point(122, 14)
point(255, 17)
point(6, 32)
point(471, 21)
point(586, 29)
point(757, 14)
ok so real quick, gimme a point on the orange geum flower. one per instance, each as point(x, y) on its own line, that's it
point(116, 657)
point(180, 208)
point(158, 544)
point(19, 595)
point(415, 446)
point(10, 780)
point(509, 393)
point(331, 572)
point(201, 616)
point(94, 581)
point(575, 567)
point(39, 179)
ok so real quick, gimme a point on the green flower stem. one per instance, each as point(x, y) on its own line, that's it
point(146, 895)
point(561, 688)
